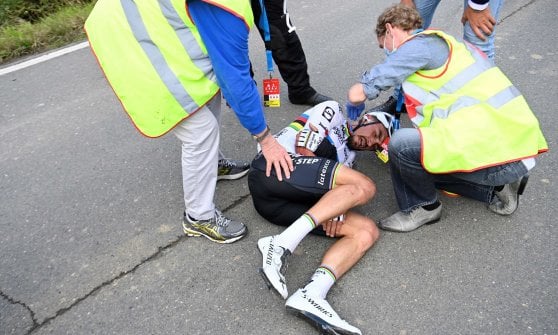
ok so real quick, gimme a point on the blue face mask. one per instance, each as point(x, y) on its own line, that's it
point(387, 52)
point(393, 48)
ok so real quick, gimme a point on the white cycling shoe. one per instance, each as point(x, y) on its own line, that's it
point(320, 312)
point(274, 265)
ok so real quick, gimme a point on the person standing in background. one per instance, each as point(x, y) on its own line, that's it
point(287, 52)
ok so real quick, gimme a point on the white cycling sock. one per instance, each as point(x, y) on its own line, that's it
point(291, 237)
point(321, 282)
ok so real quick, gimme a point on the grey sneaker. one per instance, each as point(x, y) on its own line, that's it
point(218, 229)
point(320, 312)
point(505, 202)
point(232, 169)
point(274, 265)
point(404, 222)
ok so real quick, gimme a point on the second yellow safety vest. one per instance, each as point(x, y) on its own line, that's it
point(469, 114)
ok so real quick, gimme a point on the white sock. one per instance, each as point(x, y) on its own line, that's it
point(291, 237)
point(321, 282)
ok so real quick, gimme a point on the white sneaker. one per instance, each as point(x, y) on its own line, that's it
point(320, 312)
point(274, 265)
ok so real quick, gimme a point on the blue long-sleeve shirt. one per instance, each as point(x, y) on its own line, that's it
point(424, 52)
point(226, 39)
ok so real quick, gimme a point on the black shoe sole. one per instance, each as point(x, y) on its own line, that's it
point(522, 185)
point(268, 283)
point(521, 188)
point(265, 279)
point(320, 324)
point(232, 176)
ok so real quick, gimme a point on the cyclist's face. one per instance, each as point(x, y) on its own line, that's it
point(369, 136)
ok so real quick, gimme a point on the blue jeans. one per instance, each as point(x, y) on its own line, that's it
point(415, 187)
point(426, 9)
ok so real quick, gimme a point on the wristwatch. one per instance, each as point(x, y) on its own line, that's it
point(262, 136)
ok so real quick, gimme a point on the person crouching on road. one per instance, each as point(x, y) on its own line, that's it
point(474, 133)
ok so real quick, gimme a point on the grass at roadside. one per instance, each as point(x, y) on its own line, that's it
point(56, 30)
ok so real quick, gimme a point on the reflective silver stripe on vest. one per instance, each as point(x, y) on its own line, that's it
point(503, 97)
point(498, 100)
point(154, 54)
point(456, 83)
point(466, 75)
point(460, 103)
point(187, 39)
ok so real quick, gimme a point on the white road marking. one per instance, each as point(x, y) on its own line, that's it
point(43, 58)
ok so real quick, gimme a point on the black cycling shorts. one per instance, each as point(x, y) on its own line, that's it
point(282, 202)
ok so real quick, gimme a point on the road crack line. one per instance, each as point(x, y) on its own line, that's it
point(36, 326)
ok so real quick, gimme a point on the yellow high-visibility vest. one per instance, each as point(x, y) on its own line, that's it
point(154, 58)
point(470, 116)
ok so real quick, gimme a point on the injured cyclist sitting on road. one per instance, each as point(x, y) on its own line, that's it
point(318, 197)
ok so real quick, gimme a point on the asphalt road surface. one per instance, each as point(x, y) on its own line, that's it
point(90, 211)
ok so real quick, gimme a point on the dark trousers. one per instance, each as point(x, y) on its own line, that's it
point(286, 49)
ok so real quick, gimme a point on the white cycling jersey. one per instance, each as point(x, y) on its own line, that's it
point(328, 120)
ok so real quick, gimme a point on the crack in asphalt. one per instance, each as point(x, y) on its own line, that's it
point(517, 10)
point(17, 302)
point(36, 325)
